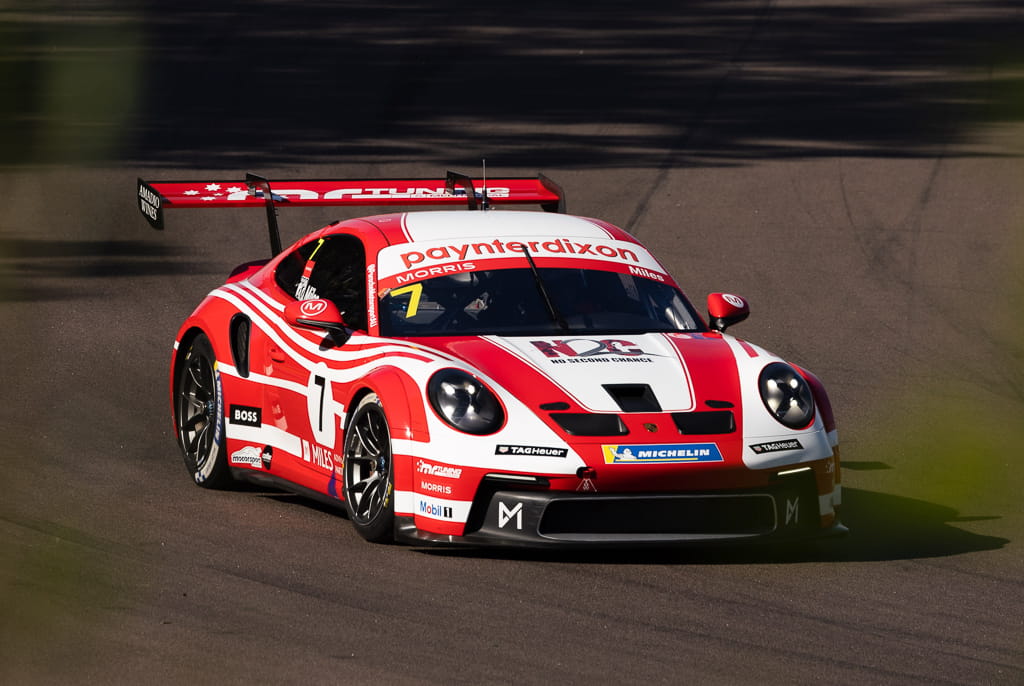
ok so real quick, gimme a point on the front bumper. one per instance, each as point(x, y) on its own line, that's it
point(787, 510)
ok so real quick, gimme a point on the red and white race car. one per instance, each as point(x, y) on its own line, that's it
point(491, 377)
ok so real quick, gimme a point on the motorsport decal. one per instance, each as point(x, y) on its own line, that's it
point(530, 450)
point(245, 415)
point(576, 350)
point(436, 470)
point(656, 453)
point(250, 456)
point(776, 446)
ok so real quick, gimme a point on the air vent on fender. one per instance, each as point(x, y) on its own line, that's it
point(584, 424)
point(713, 422)
point(633, 397)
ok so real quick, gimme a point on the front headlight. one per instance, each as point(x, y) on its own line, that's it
point(786, 395)
point(464, 402)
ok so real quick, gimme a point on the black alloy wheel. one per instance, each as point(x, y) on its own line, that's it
point(199, 410)
point(369, 472)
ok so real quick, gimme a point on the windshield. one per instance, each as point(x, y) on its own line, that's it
point(510, 302)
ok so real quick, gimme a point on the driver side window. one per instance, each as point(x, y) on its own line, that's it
point(333, 267)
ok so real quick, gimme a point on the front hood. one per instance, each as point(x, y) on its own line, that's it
point(595, 373)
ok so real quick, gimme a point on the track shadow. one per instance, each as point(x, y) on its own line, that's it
point(36, 270)
point(533, 84)
point(882, 527)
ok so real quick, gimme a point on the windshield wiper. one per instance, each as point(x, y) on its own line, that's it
point(556, 316)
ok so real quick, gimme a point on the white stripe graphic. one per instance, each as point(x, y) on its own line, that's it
point(269, 322)
point(266, 435)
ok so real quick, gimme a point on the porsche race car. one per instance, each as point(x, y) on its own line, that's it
point(491, 376)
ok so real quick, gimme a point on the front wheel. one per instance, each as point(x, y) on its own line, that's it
point(199, 411)
point(369, 472)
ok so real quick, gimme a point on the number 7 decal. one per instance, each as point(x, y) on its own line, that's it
point(416, 290)
point(322, 383)
point(323, 417)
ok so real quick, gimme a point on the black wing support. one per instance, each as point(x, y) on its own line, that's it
point(258, 185)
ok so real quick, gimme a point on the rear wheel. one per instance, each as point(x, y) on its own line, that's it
point(369, 472)
point(199, 409)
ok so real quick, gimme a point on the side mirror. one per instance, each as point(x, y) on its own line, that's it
point(317, 314)
point(726, 309)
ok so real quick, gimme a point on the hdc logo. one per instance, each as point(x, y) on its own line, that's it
point(587, 347)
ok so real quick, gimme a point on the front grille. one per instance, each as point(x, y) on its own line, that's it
point(735, 514)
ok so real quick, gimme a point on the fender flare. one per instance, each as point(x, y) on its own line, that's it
point(405, 407)
point(820, 397)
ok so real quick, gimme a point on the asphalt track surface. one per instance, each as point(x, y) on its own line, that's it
point(853, 168)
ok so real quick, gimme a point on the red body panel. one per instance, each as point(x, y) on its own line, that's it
point(303, 387)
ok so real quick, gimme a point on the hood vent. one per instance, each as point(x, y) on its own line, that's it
point(700, 423)
point(584, 424)
point(633, 397)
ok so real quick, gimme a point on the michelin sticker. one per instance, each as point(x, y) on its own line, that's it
point(636, 454)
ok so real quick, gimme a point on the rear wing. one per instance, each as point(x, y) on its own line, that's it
point(155, 197)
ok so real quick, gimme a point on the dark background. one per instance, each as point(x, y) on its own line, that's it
point(853, 168)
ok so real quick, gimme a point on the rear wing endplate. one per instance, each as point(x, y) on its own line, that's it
point(157, 196)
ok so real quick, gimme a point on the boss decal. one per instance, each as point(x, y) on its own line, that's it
point(776, 446)
point(245, 415)
point(691, 452)
point(530, 450)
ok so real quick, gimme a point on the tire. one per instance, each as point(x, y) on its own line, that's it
point(369, 488)
point(199, 413)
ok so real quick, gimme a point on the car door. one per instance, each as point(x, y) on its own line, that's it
point(302, 393)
